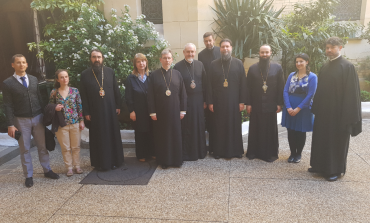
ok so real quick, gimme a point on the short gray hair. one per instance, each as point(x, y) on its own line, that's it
point(190, 44)
point(166, 51)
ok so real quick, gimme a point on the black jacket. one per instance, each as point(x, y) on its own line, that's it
point(20, 101)
point(54, 118)
point(136, 100)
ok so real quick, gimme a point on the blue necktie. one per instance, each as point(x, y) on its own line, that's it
point(24, 81)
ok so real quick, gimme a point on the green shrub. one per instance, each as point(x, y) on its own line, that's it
point(365, 96)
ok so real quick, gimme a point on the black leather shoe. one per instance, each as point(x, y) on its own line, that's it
point(297, 159)
point(240, 156)
point(164, 167)
point(332, 178)
point(51, 175)
point(312, 170)
point(29, 182)
point(250, 157)
point(290, 159)
point(114, 167)
point(217, 157)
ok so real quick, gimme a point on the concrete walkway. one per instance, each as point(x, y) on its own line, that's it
point(209, 190)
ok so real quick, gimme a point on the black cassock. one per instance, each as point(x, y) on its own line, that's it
point(193, 125)
point(226, 121)
point(167, 128)
point(104, 133)
point(206, 56)
point(263, 142)
point(337, 109)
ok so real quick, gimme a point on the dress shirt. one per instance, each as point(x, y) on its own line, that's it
point(20, 80)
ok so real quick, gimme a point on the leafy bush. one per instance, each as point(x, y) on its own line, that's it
point(365, 96)
point(249, 24)
point(309, 25)
point(69, 42)
point(245, 116)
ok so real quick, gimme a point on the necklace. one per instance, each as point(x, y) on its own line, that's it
point(264, 87)
point(168, 92)
point(192, 85)
point(226, 84)
point(101, 92)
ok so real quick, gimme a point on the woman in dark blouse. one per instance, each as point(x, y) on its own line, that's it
point(68, 100)
point(299, 91)
point(136, 100)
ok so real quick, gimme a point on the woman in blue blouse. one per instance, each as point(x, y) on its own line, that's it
point(298, 95)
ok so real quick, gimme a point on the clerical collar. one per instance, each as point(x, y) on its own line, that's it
point(336, 57)
point(210, 49)
point(165, 69)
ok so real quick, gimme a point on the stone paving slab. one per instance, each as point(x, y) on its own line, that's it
point(275, 200)
point(208, 190)
point(193, 192)
point(113, 219)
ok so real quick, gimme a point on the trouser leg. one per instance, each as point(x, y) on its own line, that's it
point(301, 141)
point(75, 138)
point(292, 142)
point(24, 125)
point(63, 134)
point(38, 133)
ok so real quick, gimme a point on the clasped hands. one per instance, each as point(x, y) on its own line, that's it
point(293, 112)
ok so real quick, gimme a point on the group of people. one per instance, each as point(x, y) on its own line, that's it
point(216, 88)
point(171, 108)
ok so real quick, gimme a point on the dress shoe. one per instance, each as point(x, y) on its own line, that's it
point(332, 178)
point(114, 167)
point(239, 156)
point(217, 157)
point(291, 159)
point(51, 175)
point(250, 157)
point(29, 182)
point(297, 159)
point(164, 166)
point(312, 170)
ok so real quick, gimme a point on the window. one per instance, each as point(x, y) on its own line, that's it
point(348, 10)
point(152, 9)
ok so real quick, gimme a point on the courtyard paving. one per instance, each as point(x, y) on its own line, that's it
point(209, 190)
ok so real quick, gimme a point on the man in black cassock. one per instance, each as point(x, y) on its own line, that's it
point(206, 56)
point(167, 106)
point(101, 101)
point(265, 85)
point(226, 95)
point(337, 109)
point(192, 125)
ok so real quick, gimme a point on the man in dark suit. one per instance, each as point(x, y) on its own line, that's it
point(23, 111)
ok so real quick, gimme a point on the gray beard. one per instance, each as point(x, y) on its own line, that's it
point(225, 56)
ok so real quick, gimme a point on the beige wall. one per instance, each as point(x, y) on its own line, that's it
point(186, 21)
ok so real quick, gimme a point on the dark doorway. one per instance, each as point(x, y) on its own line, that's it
point(17, 29)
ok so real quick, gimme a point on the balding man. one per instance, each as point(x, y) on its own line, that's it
point(193, 125)
point(265, 85)
point(167, 106)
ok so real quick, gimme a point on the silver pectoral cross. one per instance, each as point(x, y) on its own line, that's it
point(264, 87)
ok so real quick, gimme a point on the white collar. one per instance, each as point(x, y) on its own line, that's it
point(19, 77)
point(165, 69)
point(188, 61)
point(335, 58)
